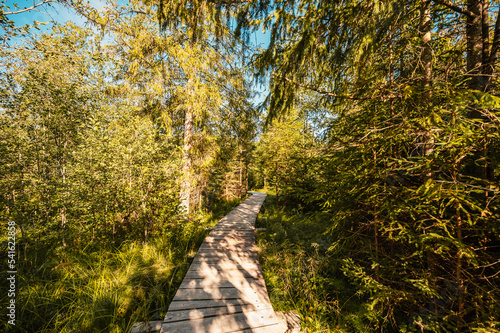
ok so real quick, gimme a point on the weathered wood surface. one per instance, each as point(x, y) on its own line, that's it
point(224, 290)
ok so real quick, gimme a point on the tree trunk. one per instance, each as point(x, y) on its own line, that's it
point(246, 174)
point(241, 172)
point(391, 71)
point(276, 181)
point(460, 282)
point(494, 50)
point(187, 162)
point(426, 60)
point(474, 45)
point(485, 32)
point(426, 53)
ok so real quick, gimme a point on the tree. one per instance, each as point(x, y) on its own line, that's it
point(283, 157)
point(46, 109)
point(201, 21)
point(409, 148)
point(189, 75)
point(76, 167)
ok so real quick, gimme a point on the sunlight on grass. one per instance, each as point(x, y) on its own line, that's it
point(108, 289)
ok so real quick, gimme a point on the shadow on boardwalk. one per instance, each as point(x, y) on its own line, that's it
point(224, 289)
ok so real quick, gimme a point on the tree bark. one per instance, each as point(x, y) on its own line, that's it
point(426, 53)
point(426, 61)
point(187, 162)
point(459, 274)
point(276, 180)
point(474, 45)
point(241, 172)
point(493, 52)
point(485, 32)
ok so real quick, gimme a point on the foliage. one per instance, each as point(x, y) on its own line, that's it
point(299, 272)
point(95, 289)
point(408, 170)
point(282, 158)
point(74, 162)
point(413, 233)
point(90, 175)
point(422, 228)
point(381, 144)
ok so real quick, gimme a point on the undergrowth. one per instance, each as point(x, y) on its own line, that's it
point(299, 272)
point(103, 287)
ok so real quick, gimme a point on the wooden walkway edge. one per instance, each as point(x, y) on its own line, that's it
point(224, 289)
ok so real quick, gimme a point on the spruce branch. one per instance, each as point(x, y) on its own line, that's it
point(456, 8)
point(327, 93)
point(320, 91)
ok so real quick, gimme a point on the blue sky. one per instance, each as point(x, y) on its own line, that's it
point(59, 13)
point(44, 13)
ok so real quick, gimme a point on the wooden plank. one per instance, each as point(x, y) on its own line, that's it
point(152, 326)
point(230, 242)
point(235, 219)
point(222, 247)
point(180, 315)
point(215, 283)
point(243, 263)
point(229, 265)
point(220, 236)
point(225, 251)
point(237, 227)
point(216, 232)
point(224, 234)
point(230, 237)
point(203, 304)
point(218, 257)
point(264, 329)
point(223, 323)
point(224, 261)
point(212, 269)
point(247, 295)
point(225, 275)
point(239, 223)
point(211, 258)
point(215, 268)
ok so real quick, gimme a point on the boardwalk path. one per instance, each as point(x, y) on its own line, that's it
point(224, 290)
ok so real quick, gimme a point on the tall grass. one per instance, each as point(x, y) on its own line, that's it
point(301, 274)
point(103, 288)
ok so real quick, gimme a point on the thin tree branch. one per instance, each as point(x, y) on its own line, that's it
point(29, 8)
point(327, 93)
point(322, 92)
point(489, 265)
point(455, 182)
point(135, 12)
point(494, 45)
point(34, 50)
point(455, 8)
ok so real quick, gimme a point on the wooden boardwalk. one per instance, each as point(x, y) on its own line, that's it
point(224, 290)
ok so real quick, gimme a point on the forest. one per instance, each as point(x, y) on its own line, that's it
point(377, 140)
